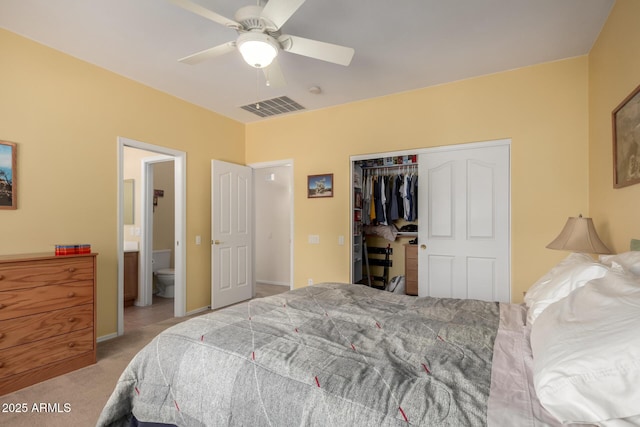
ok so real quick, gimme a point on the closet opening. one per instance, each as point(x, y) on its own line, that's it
point(462, 223)
point(385, 221)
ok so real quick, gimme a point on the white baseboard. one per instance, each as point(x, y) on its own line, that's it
point(107, 337)
point(197, 310)
point(270, 282)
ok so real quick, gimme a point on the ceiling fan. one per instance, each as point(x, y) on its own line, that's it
point(260, 39)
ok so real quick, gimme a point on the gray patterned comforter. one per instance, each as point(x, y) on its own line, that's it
point(327, 355)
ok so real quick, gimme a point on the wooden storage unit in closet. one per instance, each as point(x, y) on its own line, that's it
point(411, 269)
point(47, 317)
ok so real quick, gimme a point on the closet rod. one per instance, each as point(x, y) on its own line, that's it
point(407, 165)
point(390, 170)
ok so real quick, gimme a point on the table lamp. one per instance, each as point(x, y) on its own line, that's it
point(579, 235)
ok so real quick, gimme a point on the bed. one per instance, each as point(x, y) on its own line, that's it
point(348, 355)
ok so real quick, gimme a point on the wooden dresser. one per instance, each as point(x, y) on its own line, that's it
point(411, 269)
point(47, 317)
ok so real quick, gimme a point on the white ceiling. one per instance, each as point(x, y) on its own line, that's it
point(399, 45)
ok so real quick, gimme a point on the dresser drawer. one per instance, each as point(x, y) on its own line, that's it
point(24, 302)
point(24, 330)
point(22, 358)
point(20, 275)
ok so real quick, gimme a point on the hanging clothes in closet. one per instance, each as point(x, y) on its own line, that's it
point(389, 195)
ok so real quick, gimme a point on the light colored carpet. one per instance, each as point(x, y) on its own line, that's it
point(85, 391)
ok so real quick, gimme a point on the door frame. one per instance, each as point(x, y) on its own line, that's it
point(427, 150)
point(263, 165)
point(145, 284)
point(356, 158)
point(180, 255)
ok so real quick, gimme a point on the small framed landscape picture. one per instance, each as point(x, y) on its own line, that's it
point(8, 162)
point(320, 186)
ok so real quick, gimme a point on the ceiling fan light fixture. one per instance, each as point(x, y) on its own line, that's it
point(257, 49)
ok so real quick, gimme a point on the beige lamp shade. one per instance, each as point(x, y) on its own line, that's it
point(579, 235)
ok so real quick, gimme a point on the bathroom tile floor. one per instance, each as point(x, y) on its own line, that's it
point(162, 308)
point(137, 317)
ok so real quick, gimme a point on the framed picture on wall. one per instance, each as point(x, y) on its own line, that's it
point(8, 175)
point(320, 186)
point(626, 141)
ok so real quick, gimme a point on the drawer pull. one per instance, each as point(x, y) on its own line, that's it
point(1, 364)
point(1, 335)
point(1, 277)
point(72, 319)
point(71, 269)
point(71, 294)
point(71, 344)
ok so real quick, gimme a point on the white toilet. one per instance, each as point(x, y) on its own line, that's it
point(163, 273)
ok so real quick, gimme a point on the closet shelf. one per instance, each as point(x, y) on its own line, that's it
point(413, 166)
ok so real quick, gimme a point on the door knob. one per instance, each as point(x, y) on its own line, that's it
point(217, 242)
point(423, 247)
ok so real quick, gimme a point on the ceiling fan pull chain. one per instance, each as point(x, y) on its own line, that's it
point(257, 88)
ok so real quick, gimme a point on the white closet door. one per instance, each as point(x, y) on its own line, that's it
point(464, 229)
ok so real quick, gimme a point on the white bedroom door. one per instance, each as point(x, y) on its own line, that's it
point(231, 233)
point(464, 250)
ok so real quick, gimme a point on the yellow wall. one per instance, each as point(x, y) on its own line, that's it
point(614, 72)
point(543, 109)
point(66, 115)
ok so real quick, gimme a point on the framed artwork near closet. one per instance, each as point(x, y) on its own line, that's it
point(320, 186)
point(8, 164)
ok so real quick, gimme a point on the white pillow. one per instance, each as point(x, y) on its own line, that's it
point(586, 352)
point(571, 273)
point(630, 261)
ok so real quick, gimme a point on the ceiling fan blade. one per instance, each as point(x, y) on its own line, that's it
point(206, 13)
point(208, 53)
point(279, 11)
point(273, 75)
point(315, 49)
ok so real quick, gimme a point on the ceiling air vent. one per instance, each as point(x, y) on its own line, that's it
point(273, 107)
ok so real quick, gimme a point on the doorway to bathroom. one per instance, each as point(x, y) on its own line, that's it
point(151, 276)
